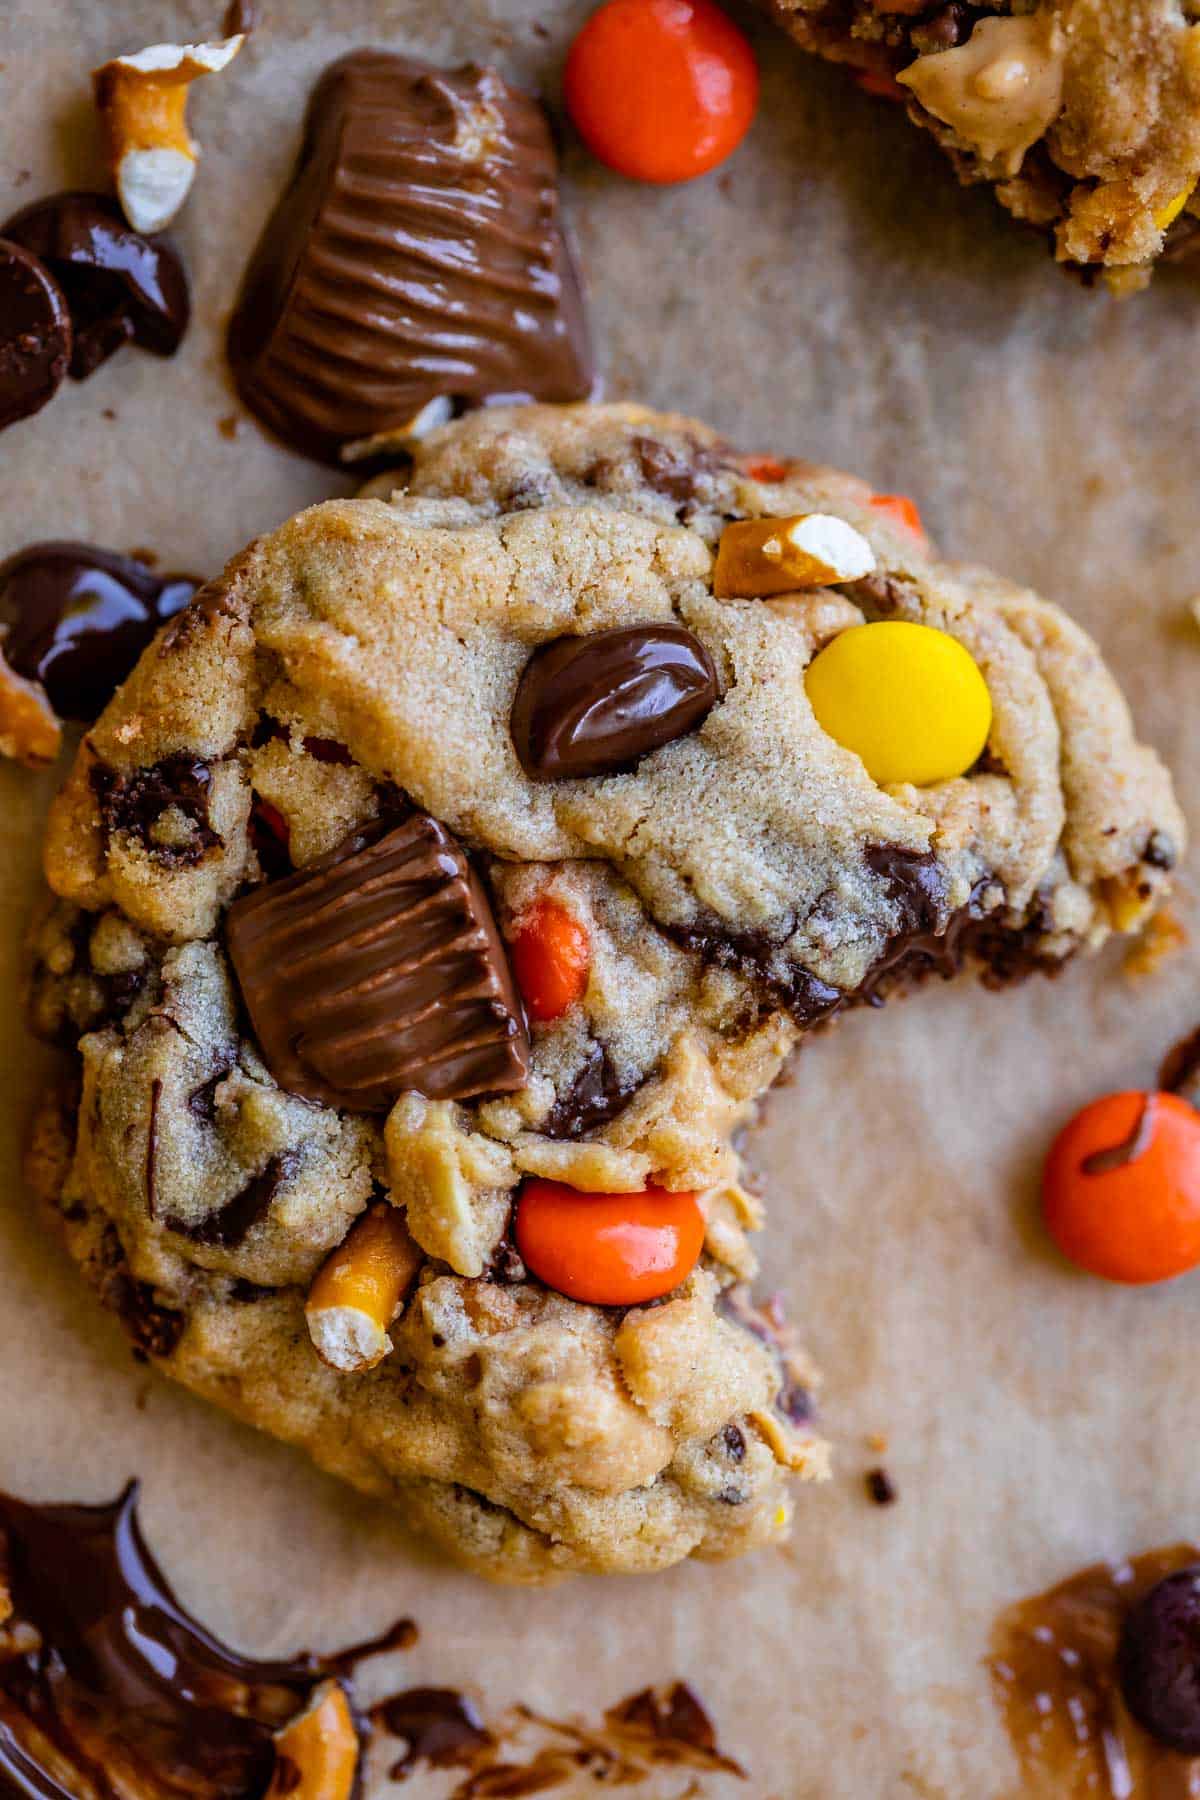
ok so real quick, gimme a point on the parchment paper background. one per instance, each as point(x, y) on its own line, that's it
point(832, 292)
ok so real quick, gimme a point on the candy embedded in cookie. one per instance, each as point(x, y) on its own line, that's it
point(418, 258)
point(436, 901)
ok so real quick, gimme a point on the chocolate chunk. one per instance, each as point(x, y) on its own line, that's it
point(677, 475)
point(378, 969)
point(916, 884)
point(136, 802)
point(596, 1095)
point(881, 1488)
point(1158, 1661)
point(733, 1441)
point(595, 705)
point(755, 955)
point(118, 1688)
point(232, 1223)
point(35, 334)
point(77, 618)
point(119, 285)
point(418, 253)
point(1160, 851)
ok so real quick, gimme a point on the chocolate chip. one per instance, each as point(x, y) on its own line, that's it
point(678, 475)
point(734, 1443)
point(1158, 1661)
point(881, 1488)
point(35, 334)
point(445, 274)
point(755, 955)
point(77, 618)
point(506, 1268)
point(232, 1223)
point(119, 285)
point(1160, 851)
point(596, 1095)
point(595, 705)
point(134, 804)
point(916, 884)
point(379, 969)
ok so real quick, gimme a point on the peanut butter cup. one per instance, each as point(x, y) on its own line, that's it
point(417, 253)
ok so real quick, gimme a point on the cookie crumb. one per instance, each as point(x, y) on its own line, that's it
point(1162, 936)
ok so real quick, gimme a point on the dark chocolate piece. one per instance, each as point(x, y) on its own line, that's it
point(76, 618)
point(1119, 1156)
point(35, 334)
point(119, 285)
point(1158, 1661)
point(595, 705)
point(378, 969)
point(596, 1095)
point(755, 955)
point(134, 803)
point(417, 253)
point(124, 1689)
point(232, 1223)
point(241, 17)
point(881, 1489)
point(677, 475)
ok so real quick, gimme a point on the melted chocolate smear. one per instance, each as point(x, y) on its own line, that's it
point(35, 335)
point(440, 1727)
point(122, 1690)
point(1119, 1156)
point(596, 1095)
point(400, 1636)
point(120, 287)
point(1053, 1665)
point(134, 803)
point(881, 1489)
point(232, 1223)
point(77, 618)
point(241, 17)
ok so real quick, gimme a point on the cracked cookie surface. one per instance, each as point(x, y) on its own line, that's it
point(734, 887)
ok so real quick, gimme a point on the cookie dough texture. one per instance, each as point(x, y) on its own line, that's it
point(736, 886)
point(1084, 115)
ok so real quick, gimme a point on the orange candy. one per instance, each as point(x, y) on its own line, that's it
point(765, 468)
point(879, 84)
point(900, 508)
point(608, 1249)
point(661, 90)
point(1121, 1187)
point(551, 956)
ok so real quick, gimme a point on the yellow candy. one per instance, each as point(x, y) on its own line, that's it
point(907, 699)
point(1167, 215)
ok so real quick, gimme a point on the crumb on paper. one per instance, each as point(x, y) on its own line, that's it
point(1162, 936)
point(878, 1442)
point(880, 1487)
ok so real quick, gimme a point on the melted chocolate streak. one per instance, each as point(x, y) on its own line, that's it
point(109, 1686)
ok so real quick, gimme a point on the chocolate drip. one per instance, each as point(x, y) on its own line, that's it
point(440, 1727)
point(596, 1095)
point(134, 804)
point(232, 1223)
point(418, 253)
point(120, 287)
point(378, 969)
point(35, 335)
point(121, 1689)
point(77, 618)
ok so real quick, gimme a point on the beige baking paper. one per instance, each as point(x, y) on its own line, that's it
point(830, 292)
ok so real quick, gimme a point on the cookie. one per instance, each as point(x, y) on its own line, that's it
point(464, 845)
point(1082, 116)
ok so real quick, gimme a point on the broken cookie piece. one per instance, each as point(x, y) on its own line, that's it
point(1083, 117)
point(439, 897)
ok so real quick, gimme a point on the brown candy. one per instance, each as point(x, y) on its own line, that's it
point(35, 335)
point(417, 253)
point(594, 705)
point(378, 970)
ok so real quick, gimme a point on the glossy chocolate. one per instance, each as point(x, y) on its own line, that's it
point(120, 1690)
point(440, 1728)
point(76, 619)
point(418, 252)
point(377, 970)
point(595, 705)
point(1054, 1668)
point(119, 286)
point(35, 334)
point(596, 1095)
point(1158, 1661)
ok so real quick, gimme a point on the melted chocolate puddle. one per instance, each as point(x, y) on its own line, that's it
point(1053, 1668)
point(109, 1688)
